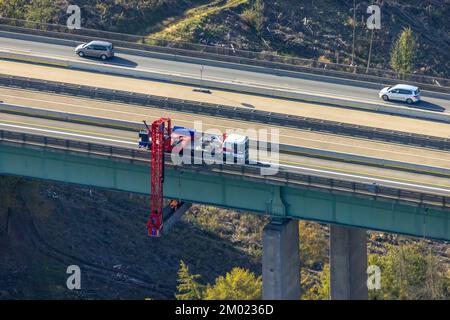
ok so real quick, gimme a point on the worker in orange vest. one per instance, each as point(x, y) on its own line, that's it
point(173, 205)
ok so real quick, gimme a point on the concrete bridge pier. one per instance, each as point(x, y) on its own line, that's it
point(348, 263)
point(281, 261)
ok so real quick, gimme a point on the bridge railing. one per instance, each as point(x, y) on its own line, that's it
point(282, 177)
point(224, 53)
point(228, 112)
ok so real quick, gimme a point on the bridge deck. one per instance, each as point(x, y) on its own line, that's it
point(319, 199)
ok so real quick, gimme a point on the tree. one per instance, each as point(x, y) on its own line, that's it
point(403, 52)
point(238, 284)
point(188, 288)
point(409, 273)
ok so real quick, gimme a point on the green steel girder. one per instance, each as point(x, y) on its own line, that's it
point(225, 191)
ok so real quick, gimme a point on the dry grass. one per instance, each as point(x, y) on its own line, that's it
point(183, 28)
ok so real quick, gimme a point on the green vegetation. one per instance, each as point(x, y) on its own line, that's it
point(316, 286)
point(238, 284)
point(143, 16)
point(410, 272)
point(35, 10)
point(40, 10)
point(314, 250)
point(254, 15)
point(43, 11)
point(188, 288)
point(404, 52)
point(13, 8)
point(194, 20)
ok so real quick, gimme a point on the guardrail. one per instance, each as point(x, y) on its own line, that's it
point(225, 54)
point(249, 171)
point(283, 148)
point(227, 112)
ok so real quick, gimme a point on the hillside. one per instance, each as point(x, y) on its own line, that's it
point(45, 227)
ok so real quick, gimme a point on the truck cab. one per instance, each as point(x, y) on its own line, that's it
point(236, 147)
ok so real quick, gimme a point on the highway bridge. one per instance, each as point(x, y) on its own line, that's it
point(355, 169)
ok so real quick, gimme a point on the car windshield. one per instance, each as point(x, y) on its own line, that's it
point(417, 92)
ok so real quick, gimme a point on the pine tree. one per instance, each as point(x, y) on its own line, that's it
point(188, 288)
point(238, 284)
point(403, 52)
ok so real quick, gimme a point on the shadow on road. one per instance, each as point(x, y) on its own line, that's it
point(117, 61)
point(425, 105)
point(122, 62)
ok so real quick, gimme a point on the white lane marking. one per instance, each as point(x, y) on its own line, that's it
point(447, 191)
point(67, 134)
point(285, 166)
point(446, 159)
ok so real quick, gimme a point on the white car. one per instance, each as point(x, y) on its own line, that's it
point(401, 92)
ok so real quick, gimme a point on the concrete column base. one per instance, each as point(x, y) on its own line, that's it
point(281, 261)
point(348, 263)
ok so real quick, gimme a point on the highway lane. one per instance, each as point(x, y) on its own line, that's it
point(295, 137)
point(314, 166)
point(219, 73)
point(302, 138)
point(351, 116)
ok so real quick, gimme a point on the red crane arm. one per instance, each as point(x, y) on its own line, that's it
point(161, 143)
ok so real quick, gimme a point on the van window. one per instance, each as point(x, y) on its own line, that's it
point(101, 48)
point(404, 91)
point(417, 92)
